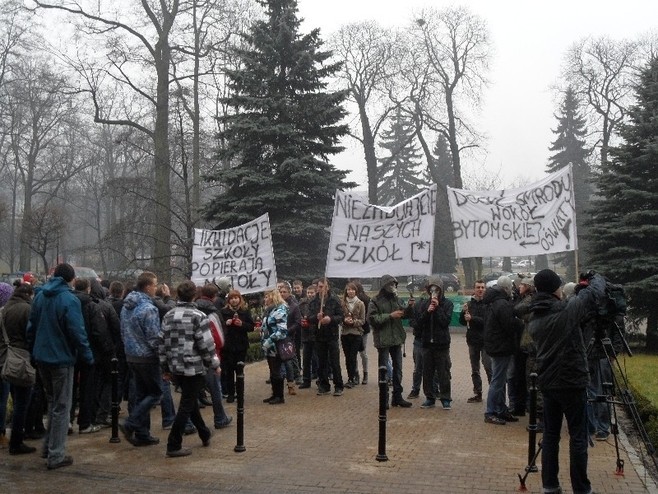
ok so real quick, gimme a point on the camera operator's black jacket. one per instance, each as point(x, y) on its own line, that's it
point(501, 327)
point(555, 327)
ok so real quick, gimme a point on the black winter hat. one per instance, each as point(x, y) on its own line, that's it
point(65, 271)
point(547, 281)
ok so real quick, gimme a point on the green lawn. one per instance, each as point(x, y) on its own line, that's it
point(642, 372)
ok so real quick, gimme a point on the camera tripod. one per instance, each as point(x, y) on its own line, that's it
point(617, 392)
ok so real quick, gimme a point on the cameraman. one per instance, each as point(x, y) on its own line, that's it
point(562, 371)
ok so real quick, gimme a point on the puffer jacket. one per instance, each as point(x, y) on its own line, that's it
point(186, 346)
point(501, 327)
point(386, 330)
point(140, 328)
point(555, 327)
point(56, 330)
point(274, 328)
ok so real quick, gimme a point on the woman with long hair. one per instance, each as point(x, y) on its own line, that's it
point(352, 331)
point(237, 324)
point(274, 328)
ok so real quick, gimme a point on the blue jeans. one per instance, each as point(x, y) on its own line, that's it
point(395, 352)
point(148, 384)
point(21, 397)
point(167, 407)
point(598, 413)
point(58, 385)
point(572, 404)
point(214, 384)
point(496, 396)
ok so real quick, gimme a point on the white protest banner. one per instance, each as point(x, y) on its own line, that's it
point(369, 241)
point(537, 219)
point(243, 253)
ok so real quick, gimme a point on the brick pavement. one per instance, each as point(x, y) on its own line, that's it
point(324, 444)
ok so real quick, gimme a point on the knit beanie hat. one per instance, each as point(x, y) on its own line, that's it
point(547, 281)
point(5, 292)
point(65, 271)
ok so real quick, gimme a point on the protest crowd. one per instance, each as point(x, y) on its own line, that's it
point(191, 339)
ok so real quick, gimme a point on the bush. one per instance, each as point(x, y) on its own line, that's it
point(648, 414)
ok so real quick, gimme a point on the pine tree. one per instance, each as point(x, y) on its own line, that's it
point(624, 214)
point(570, 147)
point(399, 174)
point(277, 143)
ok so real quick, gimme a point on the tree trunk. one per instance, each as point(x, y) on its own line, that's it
point(369, 153)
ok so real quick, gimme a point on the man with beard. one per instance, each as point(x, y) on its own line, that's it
point(385, 313)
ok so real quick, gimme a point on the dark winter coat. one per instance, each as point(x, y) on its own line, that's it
point(236, 339)
point(434, 327)
point(16, 313)
point(555, 327)
point(501, 327)
point(475, 329)
point(332, 308)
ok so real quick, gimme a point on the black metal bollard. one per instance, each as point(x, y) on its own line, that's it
point(532, 425)
point(239, 447)
point(383, 400)
point(115, 401)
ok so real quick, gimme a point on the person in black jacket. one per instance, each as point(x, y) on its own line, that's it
point(433, 324)
point(326, 316)
point(102, 348)
point(501, 328)
point(562, 373)
point(472, 316)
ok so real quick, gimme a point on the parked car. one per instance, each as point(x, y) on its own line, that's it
point(450, 282)
point(523, 264)
point(494, 275)
point(82, 272)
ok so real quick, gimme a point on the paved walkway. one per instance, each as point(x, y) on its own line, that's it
point(325, 444)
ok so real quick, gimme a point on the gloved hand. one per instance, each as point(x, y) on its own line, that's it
point(267, 344)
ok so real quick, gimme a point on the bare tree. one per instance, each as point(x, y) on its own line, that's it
point(601, 71)
point(368, 52)
point(153, 48)
point(39, 112)
point(42, 230)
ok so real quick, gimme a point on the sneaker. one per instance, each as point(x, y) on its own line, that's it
point(493, 419)
point(230, 399)
point(324, 392)
point(224, 424)
point(127, 432)
point(446, 404)
point(428, 404)
point(65, 462)
point(475, 399)
point(189, 430)
point(90, 429)
point(599, 436)
point(338, 392)
point(22, 449)
point(413, 395)
point(179, 452)
point(349, 384)
point(166, 427)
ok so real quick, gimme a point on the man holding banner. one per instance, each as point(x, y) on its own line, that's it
point(385, 313)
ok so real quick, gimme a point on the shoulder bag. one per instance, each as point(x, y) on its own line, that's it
point(16, 369)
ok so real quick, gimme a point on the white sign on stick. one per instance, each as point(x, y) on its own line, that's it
point(244, 254)
point(537, 219)
point(369, 241)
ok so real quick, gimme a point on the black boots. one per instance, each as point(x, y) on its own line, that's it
point(277, 392)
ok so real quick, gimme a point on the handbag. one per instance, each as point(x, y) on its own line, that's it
point(286, 349)
point(16, 369)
